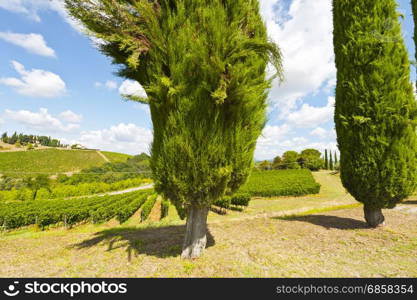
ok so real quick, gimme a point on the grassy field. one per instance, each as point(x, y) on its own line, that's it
point(320, 235)
point(49, 161)
point(281, 183)
point(116, 157)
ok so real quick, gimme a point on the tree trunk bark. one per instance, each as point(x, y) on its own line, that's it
point(195, 234)
point(374, 217)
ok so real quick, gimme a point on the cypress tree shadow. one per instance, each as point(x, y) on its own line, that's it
point(328, 221)
point(155, 241)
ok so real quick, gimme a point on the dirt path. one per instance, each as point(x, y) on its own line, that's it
point(103, 156)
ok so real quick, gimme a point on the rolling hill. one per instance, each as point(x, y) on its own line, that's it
point(54, 160)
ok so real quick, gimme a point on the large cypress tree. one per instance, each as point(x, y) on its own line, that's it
point(326, 160)
point(203, 66)
point(375, 112)
point(414, 9)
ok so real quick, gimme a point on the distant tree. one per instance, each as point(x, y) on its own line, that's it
point(265, 165)
point(13, 139)
point(203, 67)
point(331, 166)
point(4, 138)
point(36, 183)
point(277, 163)
point(326, 160)
point(376, 112)
point(311, 159)
point(335, 158)
point(290, 160)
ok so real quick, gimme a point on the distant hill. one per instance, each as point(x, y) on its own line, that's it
point(116, 157)
point(55, 160)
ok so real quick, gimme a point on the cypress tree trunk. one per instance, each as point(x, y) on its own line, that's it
point(196, 232)
point(373, 216)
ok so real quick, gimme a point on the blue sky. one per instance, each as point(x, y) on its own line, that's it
point(53, 81)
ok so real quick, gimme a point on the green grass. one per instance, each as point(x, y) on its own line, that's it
point(116, 157)
point(49, 161)
point(281, 183)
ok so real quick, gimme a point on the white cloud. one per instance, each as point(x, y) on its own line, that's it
point(305, 38)
point(70, 116)
point(41, 121)
point(32, 8)
point(111, 85)
point(310, 116)
point(32, 42)
point(130, 87)
point(269, 143)
point(35, 83)
point(126, 138)
point(323, 133)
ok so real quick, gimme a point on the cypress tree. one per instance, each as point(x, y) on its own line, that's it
point(331, 161)
point(335, 158)
point(414, 8)
point(203, 67)
point(326, 160)
point(375, 111)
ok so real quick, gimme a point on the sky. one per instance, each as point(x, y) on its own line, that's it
point(53, 80)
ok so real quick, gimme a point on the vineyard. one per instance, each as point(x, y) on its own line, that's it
point(63, 191)
point(69, 212)
point(281, 183)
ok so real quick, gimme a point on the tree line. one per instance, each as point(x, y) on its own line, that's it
point(30, 139)
point(307, 159)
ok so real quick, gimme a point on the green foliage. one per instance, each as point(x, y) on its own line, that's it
point(265, 165)
point(290, 160)
point(64, 191)
point(124, 213)
point(223, 202)
point(164, 208)
point(326, 160)
point(311, 159)
point(203, 67)
point(36, 183)
point(376, 111)
point(331, 166)
point(69, 212)
point(281, 183)
point(414, 8)
point(26, 139)
point(147, 207)
point(134, 167)
point(241, 199)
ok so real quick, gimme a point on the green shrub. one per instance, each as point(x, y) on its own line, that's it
point(241, 199)
point(127, 211)
point(224, 202)
point(147, 207)
point(164, 208)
